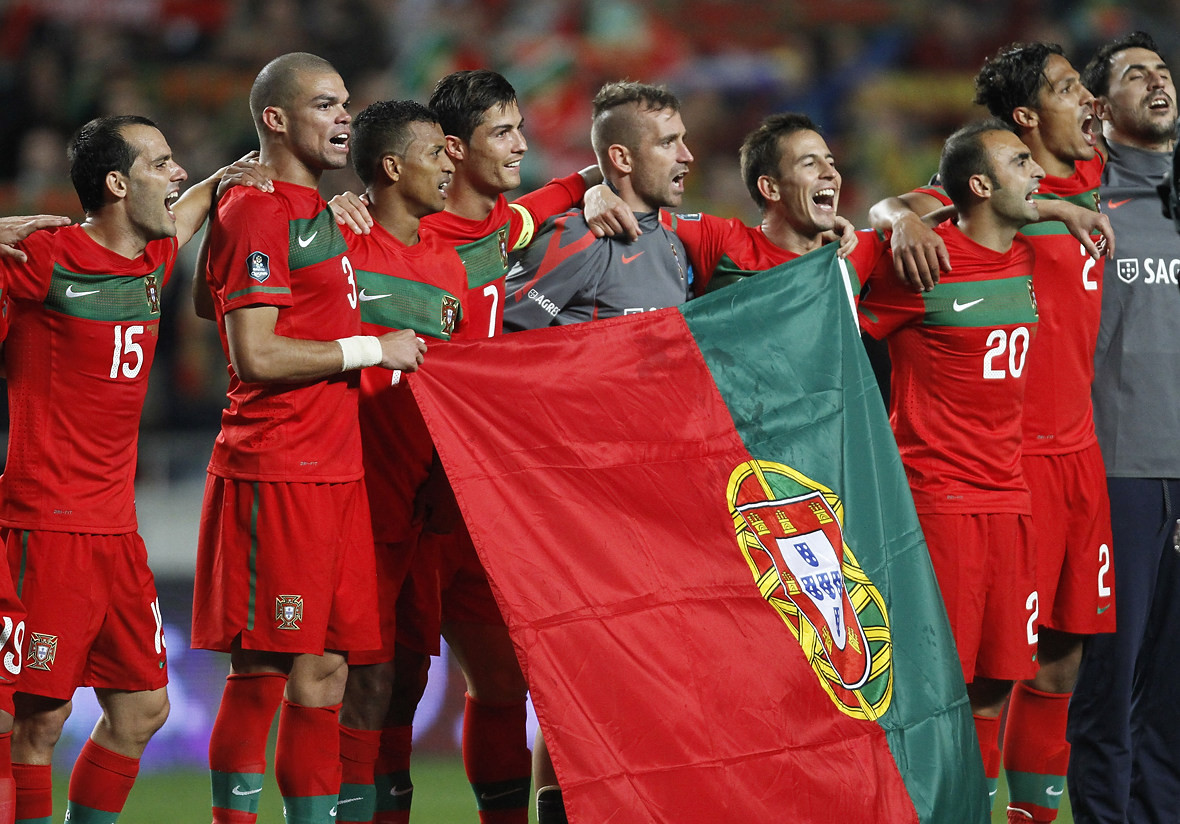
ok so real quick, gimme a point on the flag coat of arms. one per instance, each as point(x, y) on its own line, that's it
point(697, 526)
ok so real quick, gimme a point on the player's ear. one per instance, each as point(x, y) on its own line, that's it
point(391, 165)
point(274, 119)
point(1102, 109)
point(980, 186)
point(116, 184)
point(456, 148)
point(1025, 118)
point(620, 157)
point(768, 188)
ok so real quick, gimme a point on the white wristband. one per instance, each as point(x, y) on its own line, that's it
point(360, 351)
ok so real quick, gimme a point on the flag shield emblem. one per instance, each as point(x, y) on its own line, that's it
point(289, 611)
point(42, 651)
point(788, 529)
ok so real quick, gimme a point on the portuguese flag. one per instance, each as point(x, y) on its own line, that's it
point(698, 529)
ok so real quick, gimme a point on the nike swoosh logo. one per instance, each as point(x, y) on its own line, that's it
point(1114, 204)
point(395, 792)
point(1103, 609)
point(305, 243)
point(348, 800)
point(366, 296)
point(1053, 792)
point(71, 292)
point(332, 812)
point(959, 307)
point(494, 796)
point(238, 791)
point(626, 259)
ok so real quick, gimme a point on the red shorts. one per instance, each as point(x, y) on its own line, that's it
point(93, 616)
point(1071, 522)
point(287, 566)
point(408, 599)
point(12, 639)
point(986, 571)
point(466, 594)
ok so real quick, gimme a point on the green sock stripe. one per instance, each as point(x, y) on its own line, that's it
point(394, 791)
point(309, 809)
point(510, 794)
point(46, 820)
point(1034, 788)
point(236, 791)
point(81, 814)
point(357, 802)
point(993, 786)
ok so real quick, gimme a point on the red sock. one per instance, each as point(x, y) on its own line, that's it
point(497, 759)
point(237, 745)
point(395, 791)
point(307, 761)
point(988, 732)
point(101, 780)
point(7, 784)
point(358, 754)
point(1036, 753)
point(34, 791)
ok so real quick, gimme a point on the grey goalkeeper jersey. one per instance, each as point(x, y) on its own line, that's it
point(566, 275)
point(1136, 388)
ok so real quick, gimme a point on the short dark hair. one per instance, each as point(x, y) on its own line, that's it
point(607, 127)
point(383, 129)
point(461, 98)
point(1096, 75)
point(1013, 77)
point(278, 82)
point(97, 148)
point(761, 151)
point(964, 155)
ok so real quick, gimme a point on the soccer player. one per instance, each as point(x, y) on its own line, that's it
point(1034, 89)
point(407, 279)
point(1122, 722)
point(958, 354)
point(285, 566)
point(84, 309)
point(569, 275)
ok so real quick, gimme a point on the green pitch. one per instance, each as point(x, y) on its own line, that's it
point(441, 796)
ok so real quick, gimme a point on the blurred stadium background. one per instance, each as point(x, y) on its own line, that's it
point(887, 79)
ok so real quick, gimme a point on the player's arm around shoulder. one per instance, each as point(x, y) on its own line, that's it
point(194, 205)
point(919, 255)
point(259, 355)
point(1082, 223)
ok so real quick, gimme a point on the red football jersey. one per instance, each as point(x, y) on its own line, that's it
point(417, 287)
point(286, 250)
point(1058, 415)
point(483, 245)
point(83, 331)
point(958, 357)
point(725, 250)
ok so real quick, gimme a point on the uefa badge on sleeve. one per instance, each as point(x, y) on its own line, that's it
point(289, 611)
point(258, 265)
point(42, 651)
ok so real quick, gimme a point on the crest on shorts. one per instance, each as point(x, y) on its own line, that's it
point(289, 611)
point(789, 531)
point(42, 651)
point(152, 289)
point(258, 266)
point(450, 314)
point(502, 236)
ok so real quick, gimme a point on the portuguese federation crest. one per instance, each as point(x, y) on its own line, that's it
point(288, 611)
point(502, 237)
point(42, 651)
point(152, 292)
point(789, 530)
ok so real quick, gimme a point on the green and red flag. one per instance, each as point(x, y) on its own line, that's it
point(697, 526)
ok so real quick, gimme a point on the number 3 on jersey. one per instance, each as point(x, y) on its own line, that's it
point(1006, 353)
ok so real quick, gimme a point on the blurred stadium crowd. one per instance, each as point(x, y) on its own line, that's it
point(887, 79)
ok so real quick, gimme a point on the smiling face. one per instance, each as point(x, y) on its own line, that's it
point(426, 169)
point(316, 121)
point(1140, 104)
point(659, 161)
point(152, 183)
point(1014, 177)
point(807, 186)
point(1065, 113)
point(490, 160)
